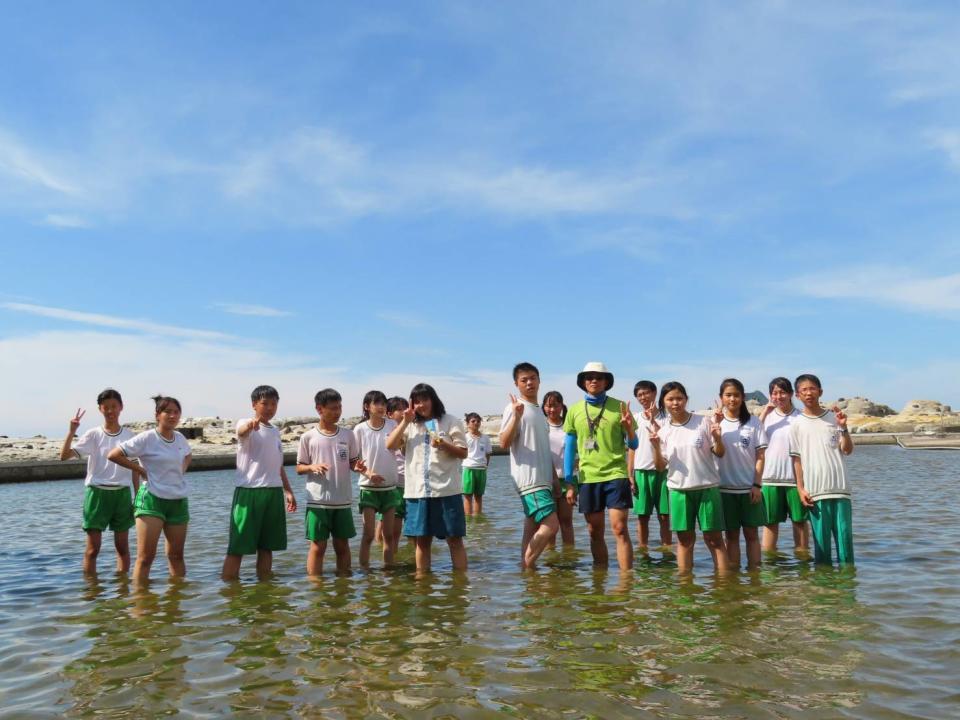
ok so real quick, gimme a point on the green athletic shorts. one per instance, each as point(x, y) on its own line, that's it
point(651, 492)
point(739, 512)
point(782, 501)
point(107, 508)
point(539, 504)
point(474, 481)
point(379, 500)
point(323, 522)
point(172, 512)
point(688, 507)
point(258, 520)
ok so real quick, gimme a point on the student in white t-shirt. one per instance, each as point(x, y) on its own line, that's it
point(555, 411)
point(107, 500)
point(819, 441)
point(780, 497)
point(741, 473)
point(395, 407)
point(687, 447)
point(378, 482)
point(326, 454)
point(524, 432)
point(161, 505)
point(648, 484)
point(262, 494)
point(433, 445)
point(475, 465)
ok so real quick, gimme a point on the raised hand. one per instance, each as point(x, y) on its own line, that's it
point(654, 433)
point(360, 466)
point(75, 421)
point(718, 412)
point(767, 409)
point(716, 431)
point(409, 414)
point(650, 413)
point(841, 417)
point(626, 418)
point(255, 424)
point(517, 406)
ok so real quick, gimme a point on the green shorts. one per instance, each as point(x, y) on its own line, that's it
point(651, 493)
point(688, 507)
point(107, 508)
point(321, 523)
point(782, 501)
point(258, 521)
point(172, 512)
point(474, 481)
point(379, 500)
point(739, 512)
point(539, 504)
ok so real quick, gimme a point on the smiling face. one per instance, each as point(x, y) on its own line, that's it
point(732, 399)
point(782, 399)
point(594, 383)
point(675, 403)
point(423, 406)
point(554, 410)
point(377, 410)
point(646, 397)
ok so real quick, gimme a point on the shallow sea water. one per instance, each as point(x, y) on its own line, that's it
point(788, 641)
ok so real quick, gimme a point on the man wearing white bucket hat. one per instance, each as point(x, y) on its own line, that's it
point(600, 429)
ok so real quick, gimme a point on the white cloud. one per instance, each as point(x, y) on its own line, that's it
point(25, 165)
point(111, 321)
point(948, 142)
point(255, 310)
point(885, 286)
point(59, 220)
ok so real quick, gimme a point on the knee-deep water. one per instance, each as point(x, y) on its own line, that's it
point(788, 641)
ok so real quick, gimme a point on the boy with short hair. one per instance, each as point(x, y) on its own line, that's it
point(262, 494)
point(326, 455)
point(107, 499)
point(475, 466)
point(600, 429)
point(649, 485)
point(524, 432)
point(819, 440)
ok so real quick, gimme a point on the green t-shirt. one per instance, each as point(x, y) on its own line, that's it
point(608, 460)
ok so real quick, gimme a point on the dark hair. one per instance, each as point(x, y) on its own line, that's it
point(264, 392)
point(668, 387)
point(808, 378)
point(109, 394)
point(470, 416)
point(422, 390)
point(524, 367)
point(744, 412)
point(326, 396)
point(371, 398)
point(554, 395)
point(162, 402)
point(397, 403)
point(645, 385)
point(782, 383)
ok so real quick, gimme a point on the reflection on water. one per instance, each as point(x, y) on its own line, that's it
point(789, 640)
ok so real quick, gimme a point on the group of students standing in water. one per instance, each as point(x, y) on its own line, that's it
point(420, 474)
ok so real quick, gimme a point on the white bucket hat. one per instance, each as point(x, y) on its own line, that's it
point(594, 367)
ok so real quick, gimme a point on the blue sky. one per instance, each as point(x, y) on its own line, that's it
point(197, 198)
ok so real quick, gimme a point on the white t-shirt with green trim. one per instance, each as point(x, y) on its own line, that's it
point(643, 456)
point(816, 441)
point(163, 461)
point(738, 466)
point(259, 458)
point(373, 450)
point(334, 488)
point(777, 463)
point(478, 447)
point(691, 464)
point(95, 444)
point(531, 462)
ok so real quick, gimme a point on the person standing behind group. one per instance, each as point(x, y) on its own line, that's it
point(107, 500)
point(395, 407)
point(161, 505)
point(378, 482)
point(433, 444)
point(262, 496)
point(523, 431)
point(780, 496)
point(326, 454)
point(475, 466)
point(649, 485)
point(819, 440)
point(741, 470)
point(600, 429)
point(687, 447)
point(555, 412)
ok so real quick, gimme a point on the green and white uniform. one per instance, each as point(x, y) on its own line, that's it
point(329, 494)
point(531, 461)
point(816, 441)
point(692, 475)
point(164, 494)
point(780, 497)
point(475, 464)
point(651, 484)
point(738, 468)
point(108, 498)
point(258, 518)
point(379, 461)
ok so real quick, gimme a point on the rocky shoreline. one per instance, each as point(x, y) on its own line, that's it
point(213, 440)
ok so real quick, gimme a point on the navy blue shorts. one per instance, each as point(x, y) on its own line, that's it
point(597, 497)
point(439, 517)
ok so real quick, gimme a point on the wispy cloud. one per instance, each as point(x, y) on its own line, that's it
point(948, 142)
point(254, 310)
point(19, 162)
point(883, 285)
point(58, 220)
point(111, 321)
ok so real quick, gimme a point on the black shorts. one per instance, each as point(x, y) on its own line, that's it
point(597, 497)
